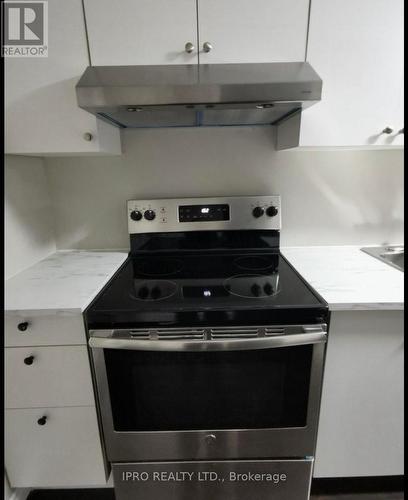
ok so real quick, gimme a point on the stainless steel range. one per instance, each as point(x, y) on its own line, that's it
point(208, 353)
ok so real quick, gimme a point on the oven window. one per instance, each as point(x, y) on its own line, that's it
point(167, 391)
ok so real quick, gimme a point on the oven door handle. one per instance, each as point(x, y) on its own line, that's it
point(231, 344)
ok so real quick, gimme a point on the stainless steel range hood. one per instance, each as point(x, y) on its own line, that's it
point(202, 95)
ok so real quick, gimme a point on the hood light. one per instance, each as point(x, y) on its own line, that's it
point(264, 106)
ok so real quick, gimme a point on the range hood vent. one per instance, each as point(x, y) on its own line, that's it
point(202, 95)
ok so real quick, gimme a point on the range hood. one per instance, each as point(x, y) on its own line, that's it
point(202, 95)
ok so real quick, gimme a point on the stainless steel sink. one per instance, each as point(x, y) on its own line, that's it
point(392, 255)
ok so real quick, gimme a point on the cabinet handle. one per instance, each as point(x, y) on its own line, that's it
point(23, 326)
point(189, 47)
point(388, 130)
point(29, 360)
point(42, 420)
point(87, 136)
point(207, 47)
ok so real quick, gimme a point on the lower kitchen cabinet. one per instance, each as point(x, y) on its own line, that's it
point(51, 376)
point(361, 419)
point(53, 447)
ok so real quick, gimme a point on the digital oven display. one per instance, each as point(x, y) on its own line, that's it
point(203, 213)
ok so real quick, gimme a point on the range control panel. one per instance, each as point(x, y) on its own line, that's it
point(200, 214)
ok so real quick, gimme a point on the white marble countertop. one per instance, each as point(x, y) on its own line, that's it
point(347, 278)
point(66, 280)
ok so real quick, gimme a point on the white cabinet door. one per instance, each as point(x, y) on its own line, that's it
point(42, 116)
point(141, 31)
point(361, 427)
point(357, 49)
point(242, 31)
point(65, 451)
point(48, 376)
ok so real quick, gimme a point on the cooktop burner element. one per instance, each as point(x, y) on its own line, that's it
point(159, 267)
point(255, 286)
point(254, 263)
point(154, 290)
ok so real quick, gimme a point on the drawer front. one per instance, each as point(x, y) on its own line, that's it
point(48, 376)
point(65, 451)
point(218, 480)
point(25, 328)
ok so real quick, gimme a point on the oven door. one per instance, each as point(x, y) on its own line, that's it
point(171, 397)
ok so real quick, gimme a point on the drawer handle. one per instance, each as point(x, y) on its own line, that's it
point(29, 360)
point(23, 326)
point(42, 420)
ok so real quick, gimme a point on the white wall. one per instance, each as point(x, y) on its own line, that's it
point(29, 231)
point(328, 197)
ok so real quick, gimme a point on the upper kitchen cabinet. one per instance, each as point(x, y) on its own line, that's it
point(42, 115)
point(239, 31)
point(356, 46)
point(229, 31)
point(142, 32)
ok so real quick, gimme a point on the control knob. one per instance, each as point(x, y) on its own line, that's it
point(136, 215)
point(258, 212)
point(149, 215)
point(271, 211)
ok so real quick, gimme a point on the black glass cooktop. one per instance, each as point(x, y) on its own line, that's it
point(199, 288)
